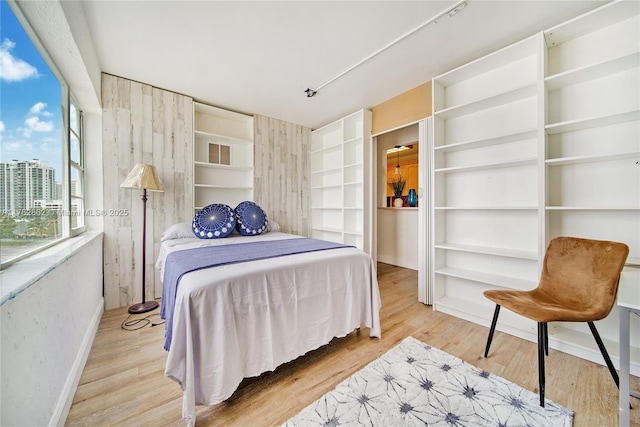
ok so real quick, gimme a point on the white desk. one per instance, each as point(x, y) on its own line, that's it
point(628, 303)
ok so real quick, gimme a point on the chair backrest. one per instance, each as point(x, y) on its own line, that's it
point(583, 274)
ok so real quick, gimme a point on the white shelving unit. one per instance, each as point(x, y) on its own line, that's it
point(340, 164)
point(536, 140)
point(484, 197)
point(592, 135)
point(222, 156)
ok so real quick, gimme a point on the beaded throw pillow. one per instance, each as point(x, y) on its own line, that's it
point(251, 219)
point(214, 221)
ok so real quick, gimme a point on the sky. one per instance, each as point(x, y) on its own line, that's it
point(30, 98)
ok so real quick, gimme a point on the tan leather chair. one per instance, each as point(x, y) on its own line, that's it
point(579, 283)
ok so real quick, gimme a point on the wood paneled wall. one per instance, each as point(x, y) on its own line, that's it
point(282, 169)
point(142, 124)
point(408, 107)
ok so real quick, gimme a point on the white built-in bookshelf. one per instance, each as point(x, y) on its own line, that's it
point(536, 140)
point(222, 156)
point(340, 162)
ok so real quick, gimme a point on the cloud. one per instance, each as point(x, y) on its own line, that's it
point(34, 124)
point(16, 147)
point(1, 126)
point(39, 109)
point(14, 69)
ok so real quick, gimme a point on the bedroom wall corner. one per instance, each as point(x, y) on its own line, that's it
point(282, 173)
point(142, 124)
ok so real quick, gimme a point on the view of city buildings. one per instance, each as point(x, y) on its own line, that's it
point(27, 185)
point(30, 199)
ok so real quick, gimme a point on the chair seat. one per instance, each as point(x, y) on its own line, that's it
point(538, 306)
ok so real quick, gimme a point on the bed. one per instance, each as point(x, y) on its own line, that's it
point(241, 319)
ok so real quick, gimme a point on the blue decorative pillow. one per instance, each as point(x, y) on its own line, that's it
point(214, 221)
point(251, 219)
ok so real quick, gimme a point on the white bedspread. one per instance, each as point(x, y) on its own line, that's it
point(240, 320)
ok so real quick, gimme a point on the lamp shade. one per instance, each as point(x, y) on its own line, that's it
point(144, 177)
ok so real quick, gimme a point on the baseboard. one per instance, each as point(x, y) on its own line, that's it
point(61, 411)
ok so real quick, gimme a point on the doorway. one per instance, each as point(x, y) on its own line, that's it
point(399, 234)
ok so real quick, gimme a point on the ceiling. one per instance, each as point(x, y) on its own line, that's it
point(258, 57)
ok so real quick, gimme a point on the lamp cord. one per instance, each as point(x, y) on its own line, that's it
point(130, 324)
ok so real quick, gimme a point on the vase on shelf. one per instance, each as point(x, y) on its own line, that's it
point(397, 202)
point(412, 198)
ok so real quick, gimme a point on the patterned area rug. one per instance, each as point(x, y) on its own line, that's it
point(414, 384)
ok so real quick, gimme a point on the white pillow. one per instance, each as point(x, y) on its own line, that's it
point(177, 231)
point(273, 226)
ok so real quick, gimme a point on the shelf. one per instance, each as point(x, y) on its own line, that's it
point(514, 163)
point(326, 187)
point(329, 229)
point(486, 103)
point(592, 122)
point(338, 169)
point(497, 59)
point(597, 18)
point(327, 208)
point(593, 208)
point(592, 72)
point(219, 166)
point(632, 262)
point(223, 187)
point(352, 165)
point(333, 147)
point(217, 138)
point(486, 250)
point(356, 139)
point(487, 142)
point(590, 159)
point(487, 208)
point(491, 279)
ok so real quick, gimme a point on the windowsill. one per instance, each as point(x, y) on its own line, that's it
point(19, 276)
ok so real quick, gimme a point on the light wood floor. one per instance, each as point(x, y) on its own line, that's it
point(124, 384)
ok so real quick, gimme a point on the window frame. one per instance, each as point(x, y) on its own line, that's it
point(66, 98)
point(79, 167)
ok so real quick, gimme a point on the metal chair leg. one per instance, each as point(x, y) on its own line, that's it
point(546, 339)
point(492, 330)
point(541, 332)
point(605, 354)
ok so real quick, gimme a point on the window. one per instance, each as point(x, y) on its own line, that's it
point(41, 137)
point(76, 164)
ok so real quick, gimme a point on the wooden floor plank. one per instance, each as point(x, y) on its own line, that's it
point(124, 384)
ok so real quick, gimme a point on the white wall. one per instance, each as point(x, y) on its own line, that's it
point(48, 328)
point(397, 230)
point(47, 332)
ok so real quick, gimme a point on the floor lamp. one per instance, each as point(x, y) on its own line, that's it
point(143, 177)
